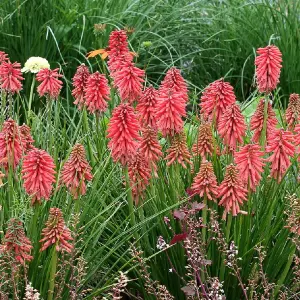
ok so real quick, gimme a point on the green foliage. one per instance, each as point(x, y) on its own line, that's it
point(221, 42)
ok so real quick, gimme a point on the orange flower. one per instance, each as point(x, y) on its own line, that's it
point(139, 175)
point(56, 233)
point(257, 121)
point(150, 147)
point(16, 242)
point(102, 52)
point(205, 182)
point(204, 144)
point(178, 151)
point(292, 113)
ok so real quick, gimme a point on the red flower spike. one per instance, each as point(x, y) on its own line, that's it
point(38, 174)
point(10, 77)
point(97, 93)
point(123, 130)
point(205, 182)
point(257, 121)
point(128, 80)
point(232, 191)
point(10, 144)
point(169, 113)
point(281, 144)
point(56, 233)
point(292, 113)
point(250, 164)
point(139, 175)
point(215, 99)
point(26, 138)
point(170, 107)
point(204, 144)
point(268, 65)
point(79, 83)
point(232, 126)
point(175, 82)
point(50, 84)
point(76, 171)
point(146, 107)
point(16, 242)
point(178, 151)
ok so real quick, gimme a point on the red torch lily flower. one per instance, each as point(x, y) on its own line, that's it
point(216, 98)
point(38, 174)
point(249, 161)
point(232, 191)
point(280, 144)
point(123, 130)
point(268, 66)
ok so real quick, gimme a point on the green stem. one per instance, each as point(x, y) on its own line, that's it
point(50, 133)
point(30, 101)
point(130, 202)
point(263, 137)
point(3, 106)
point(52, 274)
point(227, 235)
point(87, 134)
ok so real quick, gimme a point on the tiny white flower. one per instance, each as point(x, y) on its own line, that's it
point(170, 270)
point(34, 64)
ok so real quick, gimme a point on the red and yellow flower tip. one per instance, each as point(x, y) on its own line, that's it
point(38, 174)
point(129, 81)
point(204, 144)
point(150, 147)
point(280, 144)
point(26, 138)
point(10, 144)
point(3, 57)
point(49, 83)
point(232, 126)
point(232, 191)
point(97, 93)
point(76, 171)
point(268, 66)
point(216, 98)
point(10, 77)
point(139, 174)
point(56, 233)
point(146, 107)
point(79, 83)
point(175, 82)
point(249, 161)
point(257, 121)
point(292, 113)
point(16, 243)
point(123, 132)
point(205, 183)
point(178, 151)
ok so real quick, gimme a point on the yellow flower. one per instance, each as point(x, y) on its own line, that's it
point(35, 63)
